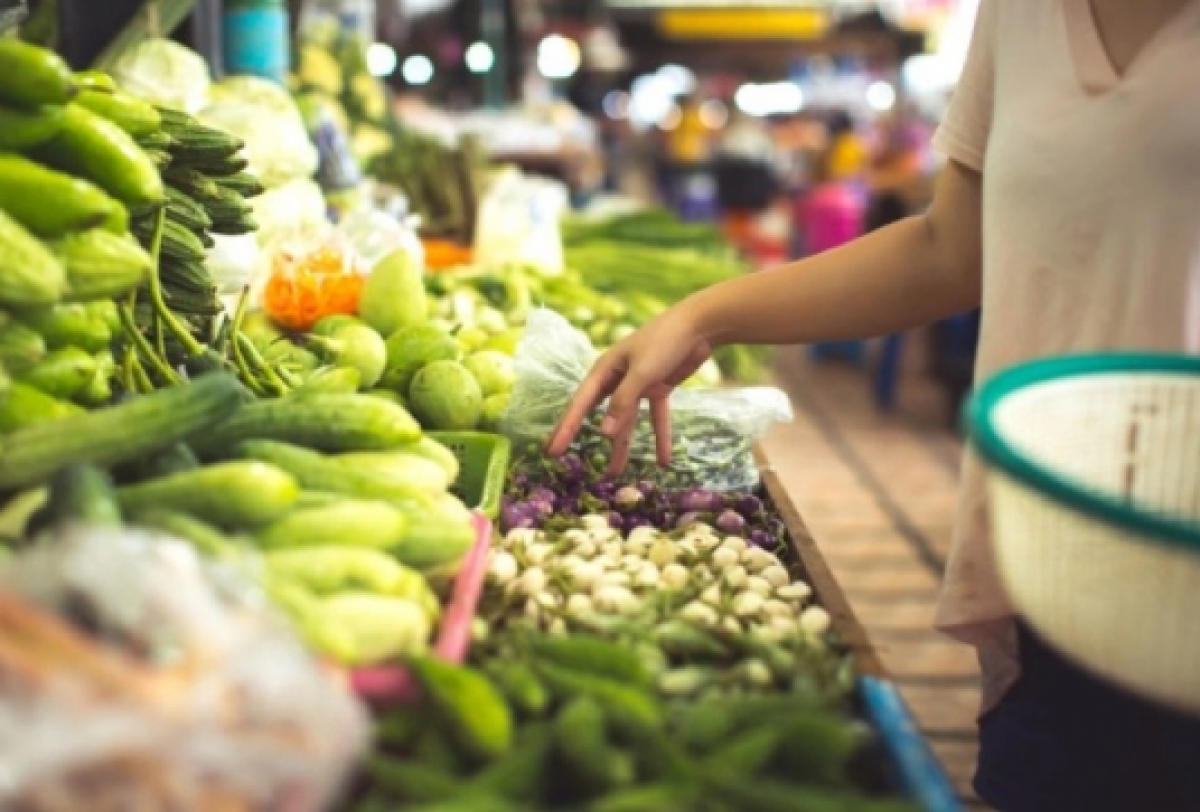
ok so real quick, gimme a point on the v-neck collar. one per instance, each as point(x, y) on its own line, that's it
point(1093, 65)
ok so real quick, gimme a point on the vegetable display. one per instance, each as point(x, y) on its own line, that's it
point(642, 643)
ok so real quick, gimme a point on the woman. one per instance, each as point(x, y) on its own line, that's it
point(1070, 210)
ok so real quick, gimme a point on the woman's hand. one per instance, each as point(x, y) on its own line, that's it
point(646, 365)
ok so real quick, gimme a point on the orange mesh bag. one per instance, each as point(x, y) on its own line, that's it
point(304, 287)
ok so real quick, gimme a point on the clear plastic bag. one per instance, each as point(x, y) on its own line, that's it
point(185, 692)
point(714, 430)
point(519, 221)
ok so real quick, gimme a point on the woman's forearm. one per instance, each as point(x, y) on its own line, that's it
point(913, 272)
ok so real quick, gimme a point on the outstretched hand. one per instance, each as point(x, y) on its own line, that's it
point(647, 365)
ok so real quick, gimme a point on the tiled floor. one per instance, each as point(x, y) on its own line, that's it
point(877, 492)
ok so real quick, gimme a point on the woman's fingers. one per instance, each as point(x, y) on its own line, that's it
point(621, 420)
point(599, 384)
point(660, 419)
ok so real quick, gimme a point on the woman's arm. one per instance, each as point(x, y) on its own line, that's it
point(918, 270)
point(912, 272)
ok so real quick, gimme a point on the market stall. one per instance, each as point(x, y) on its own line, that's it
point(236, 431)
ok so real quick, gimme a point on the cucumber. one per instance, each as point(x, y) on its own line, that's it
point(93, 147)
point(226, 207)
point(129, 113)
point(79, 493)
point(317, 472)
point(349, 523)
point(213, 167)
point(197, 142)
point(431, 448)
point(400, 465)
point(192, 183)
point(22, 129)
point(51, 204)
point(114, 434)
point(241, 225)
point(30, 276)
point(185, 211)
point(69, 325)
point(31, 76)
point(25, 406)
point(232, 495)
point(243, 183)
point(326, 422)
point(178, 242)
point(437, 538)
point(63, 373)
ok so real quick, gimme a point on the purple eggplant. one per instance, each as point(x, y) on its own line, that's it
point(761, 538)
point(518, 515)
point(749, 506)
point(544, 494)
point(602, 490)
point(615, 520)
point(572, 467)
point(731, 521)
point(699, 501)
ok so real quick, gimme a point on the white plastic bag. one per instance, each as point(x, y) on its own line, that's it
point(184, 692)
point(518, 222)
point(714, 430)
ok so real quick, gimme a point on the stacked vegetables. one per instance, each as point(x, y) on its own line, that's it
point(67, 176)
point(706, 613)
point(206, 187)
point(706, 684)
point(574, 724)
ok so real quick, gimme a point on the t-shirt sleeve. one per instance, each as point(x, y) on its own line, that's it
point(963, 134)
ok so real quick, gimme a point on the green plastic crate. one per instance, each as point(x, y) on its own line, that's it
point(483, 461)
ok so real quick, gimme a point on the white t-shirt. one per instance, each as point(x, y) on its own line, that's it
point(1091, 228)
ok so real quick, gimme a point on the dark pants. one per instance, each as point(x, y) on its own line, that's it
point(1062, 740)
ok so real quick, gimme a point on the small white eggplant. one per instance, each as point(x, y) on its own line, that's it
point(815, 620)
point(776, 576)
point(674, 576)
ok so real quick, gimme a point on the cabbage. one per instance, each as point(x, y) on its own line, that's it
point(166, 73)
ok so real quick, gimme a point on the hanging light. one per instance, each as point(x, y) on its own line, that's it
point(381, 59)
point(480, 57)
point(417, 70)
point(558, 57)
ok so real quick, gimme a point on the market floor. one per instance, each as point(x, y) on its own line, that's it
point(877, 493)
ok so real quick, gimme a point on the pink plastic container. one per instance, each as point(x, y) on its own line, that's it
point(393, 684)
